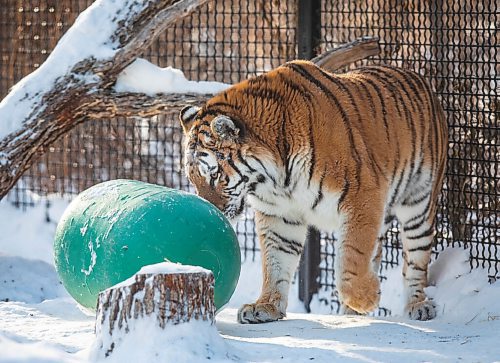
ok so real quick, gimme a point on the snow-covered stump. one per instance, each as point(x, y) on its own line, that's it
point(154, 303)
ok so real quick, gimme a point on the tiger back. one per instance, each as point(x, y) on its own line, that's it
point(347, 153)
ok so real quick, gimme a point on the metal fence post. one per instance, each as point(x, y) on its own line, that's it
point(308, 41)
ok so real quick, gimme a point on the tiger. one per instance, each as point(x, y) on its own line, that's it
point(345, 153)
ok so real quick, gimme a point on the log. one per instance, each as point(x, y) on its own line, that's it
point(159, 301)
point(340, 57)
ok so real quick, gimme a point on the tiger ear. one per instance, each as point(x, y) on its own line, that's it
point(225, 128)
point(187, 116)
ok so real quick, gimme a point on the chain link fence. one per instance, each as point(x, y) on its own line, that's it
point(456, 46)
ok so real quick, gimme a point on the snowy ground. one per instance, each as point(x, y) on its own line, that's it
point(39, 322)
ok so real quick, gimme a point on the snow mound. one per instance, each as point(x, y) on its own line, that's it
point(195, 341)
point(15, 349)
point(462, 295)
point(28, 281)
point(145, 77)
point(30, 233)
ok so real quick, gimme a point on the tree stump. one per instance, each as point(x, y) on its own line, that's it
point(155, 301)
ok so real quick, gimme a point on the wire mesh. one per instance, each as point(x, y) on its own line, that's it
point(455, 45)
point(208, 45)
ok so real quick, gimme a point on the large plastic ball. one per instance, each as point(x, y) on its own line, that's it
point(114, 228)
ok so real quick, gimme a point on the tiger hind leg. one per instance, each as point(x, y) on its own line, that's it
point(417, 236)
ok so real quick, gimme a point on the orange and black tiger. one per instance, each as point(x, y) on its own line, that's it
point(341, 152)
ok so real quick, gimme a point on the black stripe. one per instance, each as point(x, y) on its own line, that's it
point(349, 272)
point(252, 187)
point(432, 128)
point(263, 214)
point(386, 77)
point(286, 240)
point(398, 185)
point(210, 167)
point(262, 199)
point(369, 71)
point(414, 82)
point(233, 165)
point(426, 233)
point(415, 267)
point(288, 168)
point(416, 225)
point(355, 249)
point(345, 190)
point(368, 97)
point(285, 245)
point(264, 169)
point(312, 148)
point(412, 202)
point(388, 219)
point(382, 104)
point(243, 179)
point(307, 102)
point(348, 127)
point(190, 118)
point(244, 162)
point(421, 215)
point(292, 223)
point(421, 248)
point(319, 197)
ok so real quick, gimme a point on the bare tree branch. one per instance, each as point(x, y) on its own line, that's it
point(348, 53)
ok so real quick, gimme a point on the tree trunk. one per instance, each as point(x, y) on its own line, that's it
point(162, 300)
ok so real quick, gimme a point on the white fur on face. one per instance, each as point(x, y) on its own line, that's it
point(207, 165)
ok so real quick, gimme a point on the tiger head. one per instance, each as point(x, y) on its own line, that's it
point(213, 154)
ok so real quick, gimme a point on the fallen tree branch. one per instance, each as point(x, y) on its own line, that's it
point(109, 104)
point(348, 53)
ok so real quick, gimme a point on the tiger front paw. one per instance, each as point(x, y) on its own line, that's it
point(346, 310)
point(259, 313)
point(360, 294)
point(422, 310)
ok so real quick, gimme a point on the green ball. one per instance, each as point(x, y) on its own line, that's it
point(114, 228)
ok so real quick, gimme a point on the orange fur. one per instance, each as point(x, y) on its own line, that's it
point(365, 140)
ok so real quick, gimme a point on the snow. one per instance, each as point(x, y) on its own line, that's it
point(170, 268)
point(144, 77)
point(182, 343)
point(163, 268)
point(39, 322)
